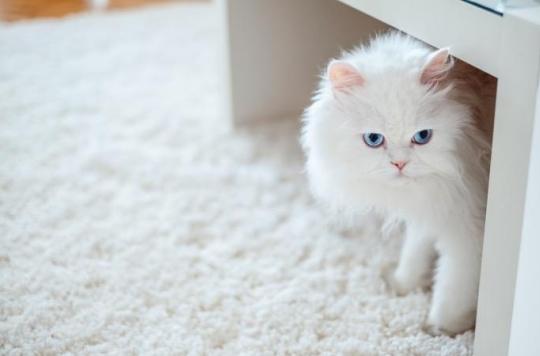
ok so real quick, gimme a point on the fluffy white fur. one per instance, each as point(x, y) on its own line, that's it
point(397, 86)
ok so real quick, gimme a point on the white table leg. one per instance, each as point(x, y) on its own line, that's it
point(275, 50)
point(524, 337)
point(508, 220)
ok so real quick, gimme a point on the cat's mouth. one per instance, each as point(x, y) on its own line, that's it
point(401, 175)
point(400, 178)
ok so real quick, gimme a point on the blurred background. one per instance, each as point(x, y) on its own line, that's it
point(13, 10)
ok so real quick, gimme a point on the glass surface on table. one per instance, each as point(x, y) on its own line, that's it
point(500, 6)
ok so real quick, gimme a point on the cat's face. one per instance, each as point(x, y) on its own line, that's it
point(398, 138)
point(389, 127)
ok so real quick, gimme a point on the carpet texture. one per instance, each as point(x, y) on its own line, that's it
point(132, 222)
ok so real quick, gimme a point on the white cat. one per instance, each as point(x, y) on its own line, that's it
point(392, 131)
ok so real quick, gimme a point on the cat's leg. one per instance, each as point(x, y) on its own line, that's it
point(455, 291)
point(414, 264)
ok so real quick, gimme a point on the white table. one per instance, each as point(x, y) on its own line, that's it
point(274, 50)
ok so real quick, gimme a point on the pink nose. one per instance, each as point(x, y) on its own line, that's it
point(399, 164)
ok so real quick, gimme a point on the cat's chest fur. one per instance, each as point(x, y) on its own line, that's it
point(419, 203)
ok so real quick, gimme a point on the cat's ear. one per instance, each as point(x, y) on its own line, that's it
point(343, 76)
point(437, 67)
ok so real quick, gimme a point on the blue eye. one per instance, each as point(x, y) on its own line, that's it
point(422, 137)
point(373, 140)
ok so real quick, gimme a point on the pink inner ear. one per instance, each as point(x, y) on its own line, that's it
point(342, 75)
point(437, 67)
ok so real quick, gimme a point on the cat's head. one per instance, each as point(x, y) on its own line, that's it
point(386, 114)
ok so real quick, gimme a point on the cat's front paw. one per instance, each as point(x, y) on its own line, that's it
point(394, 282)
point(448, 323)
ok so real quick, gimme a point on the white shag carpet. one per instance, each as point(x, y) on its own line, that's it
point(131, 222)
